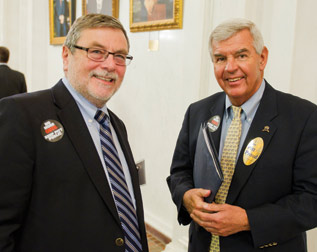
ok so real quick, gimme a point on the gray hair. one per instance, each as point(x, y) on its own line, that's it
point(230, 27)
point(92, 21)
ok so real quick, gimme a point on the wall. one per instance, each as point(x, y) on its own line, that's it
point(160, 85)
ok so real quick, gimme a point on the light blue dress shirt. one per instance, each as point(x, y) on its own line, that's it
point(249, 109)
point(88, 112)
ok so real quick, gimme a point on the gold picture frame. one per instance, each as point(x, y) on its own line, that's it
point(90, 6)
point(153, 15)
point(62, 14)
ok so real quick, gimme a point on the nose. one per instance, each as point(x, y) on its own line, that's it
point(231, 65)
point(109, 63)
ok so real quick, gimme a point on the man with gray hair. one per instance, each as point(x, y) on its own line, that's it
point(267, 148)
point(68, 179)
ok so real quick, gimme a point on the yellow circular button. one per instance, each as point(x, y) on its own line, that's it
point(253, 151)
point(119, 242)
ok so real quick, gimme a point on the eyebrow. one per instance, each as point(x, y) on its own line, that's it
point(96, 44)
point(237, 52)
point(218, 55)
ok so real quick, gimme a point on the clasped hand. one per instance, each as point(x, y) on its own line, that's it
point(218, 219)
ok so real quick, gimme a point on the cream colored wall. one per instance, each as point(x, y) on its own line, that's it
point(159, 86)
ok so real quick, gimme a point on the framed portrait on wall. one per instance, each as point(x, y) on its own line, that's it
point(62, 14)
point(152, 15)
point(108, 7)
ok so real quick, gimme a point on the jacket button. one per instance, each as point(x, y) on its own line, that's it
point(119, 242)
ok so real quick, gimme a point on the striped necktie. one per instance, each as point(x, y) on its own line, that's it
point(122, 198)
point(228, 162)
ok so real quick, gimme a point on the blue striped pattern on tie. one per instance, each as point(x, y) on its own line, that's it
point(126, 210)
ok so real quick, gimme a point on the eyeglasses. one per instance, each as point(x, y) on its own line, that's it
point(101, 55)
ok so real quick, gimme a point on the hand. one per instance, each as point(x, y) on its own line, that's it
point(221, 219)
point(193, 199)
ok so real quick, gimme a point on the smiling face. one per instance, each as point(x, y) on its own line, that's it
point(96, 81)
point(238, 68)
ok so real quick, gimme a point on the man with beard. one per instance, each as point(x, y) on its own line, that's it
point(68, 180)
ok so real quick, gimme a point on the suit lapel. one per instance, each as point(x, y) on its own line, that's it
point(218, 110)
point(263, 120)
point(76, 129)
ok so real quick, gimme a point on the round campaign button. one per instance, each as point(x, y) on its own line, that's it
point(213, 123)
point(253, 151)
point(52, 130)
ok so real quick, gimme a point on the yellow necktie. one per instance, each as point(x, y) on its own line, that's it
point(228, 162)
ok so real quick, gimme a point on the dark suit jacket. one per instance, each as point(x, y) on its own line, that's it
point(11, 82)
point(55, 195)
point(278, 191)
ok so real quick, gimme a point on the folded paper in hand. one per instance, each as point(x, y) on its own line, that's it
point(207, 170)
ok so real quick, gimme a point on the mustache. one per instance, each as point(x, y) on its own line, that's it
point(104, 74)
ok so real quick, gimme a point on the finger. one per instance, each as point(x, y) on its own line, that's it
point(195, 195)
point(204, 193)
point(193, 199)
point(199, 221)
point(213, 207)
point(212, 230)
point(203, 219)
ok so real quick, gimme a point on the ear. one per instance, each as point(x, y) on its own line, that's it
point(65, 55)
point(264, 56)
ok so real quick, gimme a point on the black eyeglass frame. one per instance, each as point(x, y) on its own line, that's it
point(107, 53)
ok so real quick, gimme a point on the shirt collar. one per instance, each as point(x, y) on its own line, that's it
point(249, 107)
point(82, 102)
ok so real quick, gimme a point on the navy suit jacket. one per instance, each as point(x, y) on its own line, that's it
point(278, 191)
point(55, 195)
point(11, 82)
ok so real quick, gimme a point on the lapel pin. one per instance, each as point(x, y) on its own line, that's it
point(266, 129)
point(213, 123)
point(52, 130)
point(253, 151)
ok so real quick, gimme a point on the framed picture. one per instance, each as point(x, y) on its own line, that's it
point(152, 15)
point(108, 7)
point(62, 14)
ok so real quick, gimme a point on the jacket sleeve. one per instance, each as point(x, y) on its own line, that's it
point(16, 164)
